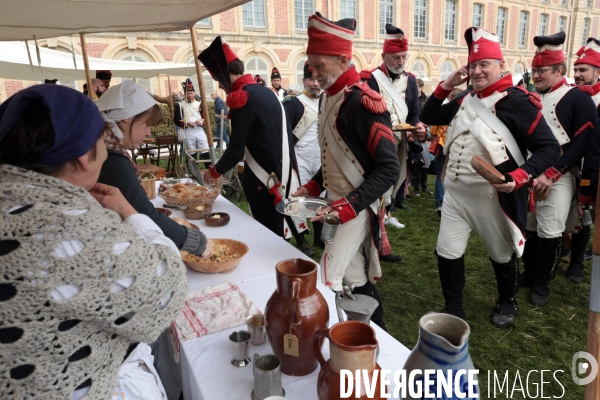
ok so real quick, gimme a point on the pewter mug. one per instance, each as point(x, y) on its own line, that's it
point(239, 341)
point(358, 307)
point(267, 377)
point(256, 327)
point(330, 225)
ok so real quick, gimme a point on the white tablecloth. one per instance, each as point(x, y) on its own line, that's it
point(205, 362)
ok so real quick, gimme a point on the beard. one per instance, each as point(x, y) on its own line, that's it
point(582, 81)
point(99, 93)
point(395, 70)
point(314, 92)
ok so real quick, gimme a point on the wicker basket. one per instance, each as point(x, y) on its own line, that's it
point(149, 186)
point(206, 200)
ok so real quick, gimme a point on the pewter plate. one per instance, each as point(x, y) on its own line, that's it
point(301, 207)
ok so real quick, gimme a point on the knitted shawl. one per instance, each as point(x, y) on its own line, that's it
point(54, 346)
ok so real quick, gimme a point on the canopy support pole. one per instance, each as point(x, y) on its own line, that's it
point(171, 105)
point(207, 127)
point(592, 389)
point(86, 65)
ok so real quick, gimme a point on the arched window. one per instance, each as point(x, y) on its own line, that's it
point(209, 83)
point(145, 83)
point(418, 68)
point(300, 70)
point(258, 66)
point(519, 69)
point(447, 68)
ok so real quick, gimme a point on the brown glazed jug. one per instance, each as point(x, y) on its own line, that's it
point(299, 310)
point(352, 345)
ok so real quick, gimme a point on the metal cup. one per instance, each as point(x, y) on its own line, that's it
point(586, 218)
point(256, 327)
point(239, 341)
point(330, 225)
point(267, 377)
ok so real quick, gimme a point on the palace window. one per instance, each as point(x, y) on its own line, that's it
point(420, 19)
point(450, 29)
point(586, 31)
point(562, 22)
point(518, 69)
point(254, 14)
point(501, 25)
point(302, 10)
point(447, 69)
point(258, 66)
point(523, 27)
point(543, 31)
point(300, 71)
point(418, 68)
point(386, 14)
point(145, 83)
point(477, 14)
point(347, 9)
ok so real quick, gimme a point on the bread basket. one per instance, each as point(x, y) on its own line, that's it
point(194, 197)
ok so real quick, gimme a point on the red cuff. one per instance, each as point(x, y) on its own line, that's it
point(440, 92)
point(313, 188)
point(520, 176)
point(586, 199)
point(345, 209)
point(552, 173)
point(213, 172)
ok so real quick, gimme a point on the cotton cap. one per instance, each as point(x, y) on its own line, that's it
point(549, 50)
point(75, 119)
point(330, 38)
point(590, 53)
point(395, 41)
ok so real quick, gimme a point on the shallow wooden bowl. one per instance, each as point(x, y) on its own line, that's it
point(211, 268)
point(183, 222)
point(216, 222)
point(192, 213)
point(486, 170)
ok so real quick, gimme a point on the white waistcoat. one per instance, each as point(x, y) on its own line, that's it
point(190, 110)
point(400, 85)
point(469, 135)
point(306, 129)
point(549, 102)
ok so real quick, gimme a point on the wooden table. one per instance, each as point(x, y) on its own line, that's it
point(158, 172)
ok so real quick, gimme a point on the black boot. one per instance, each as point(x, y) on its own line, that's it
point(507, 276)
point(530, 255)
point(548, 258)
point(399, 203)
point(579, 242)
point(452, 278)
point(317, 241)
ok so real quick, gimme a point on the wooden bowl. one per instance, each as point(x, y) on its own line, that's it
point(211, 268)
point(183, 222)
point(216, 222)
point(164, 211)
point(486, 170)
point(193, 213)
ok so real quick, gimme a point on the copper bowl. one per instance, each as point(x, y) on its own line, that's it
point(235, 246)
point(194, 213)
point(164, 211)
point(183, 222)
point(216, 222)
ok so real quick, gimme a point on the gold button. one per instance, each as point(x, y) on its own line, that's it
point(493, 112)
point(347, 150)
point(462, 147)
point(324, 151)
point(339, 138)
point(450, 125)
point(499, 140)
point(458, 162)
point(562, 133)
point(325, 184)
point(460, 154)
point(353, 161)
point(324, 165)
point(324, 157)
point(506, 158)
point(551, 112)
point(462, 108)
point(457, 174)
point(502, 148)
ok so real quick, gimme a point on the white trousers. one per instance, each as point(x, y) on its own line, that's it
point(195, 138)
point(550, 216)
point(344, 256)
point(309, 160)
point(468, 207)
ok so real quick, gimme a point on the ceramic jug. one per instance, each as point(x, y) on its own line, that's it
point(352, 346)
point(443, 345)
point(294, 313)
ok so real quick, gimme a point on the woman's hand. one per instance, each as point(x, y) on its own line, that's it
point(112, 199)
point(210, 248)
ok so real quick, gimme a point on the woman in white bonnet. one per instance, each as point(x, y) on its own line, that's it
point(131, 113)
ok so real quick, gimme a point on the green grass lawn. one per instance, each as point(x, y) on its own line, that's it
point(541, 339)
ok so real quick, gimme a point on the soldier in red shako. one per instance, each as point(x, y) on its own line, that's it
point(499, 123)
point(259, 134)
point(571, 115)
point(358, 160)
point(586, 74)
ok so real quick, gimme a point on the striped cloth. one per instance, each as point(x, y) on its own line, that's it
point(209, 310)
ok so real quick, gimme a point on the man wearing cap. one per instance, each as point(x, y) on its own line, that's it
point(260, 135)
point(276, 84)
point(401, 94)
point(188, 118)
point(484, 121)
point(587, 74)
point(105, 77)
point(359, 161)
point(571, 115)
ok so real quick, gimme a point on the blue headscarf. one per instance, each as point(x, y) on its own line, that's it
point(75, 119)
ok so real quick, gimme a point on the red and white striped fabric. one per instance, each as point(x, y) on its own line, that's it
point(209, 310)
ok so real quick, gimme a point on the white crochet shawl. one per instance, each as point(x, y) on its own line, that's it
point(42, 341)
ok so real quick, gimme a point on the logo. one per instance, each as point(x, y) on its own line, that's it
point(475, 48)
point(582, 367)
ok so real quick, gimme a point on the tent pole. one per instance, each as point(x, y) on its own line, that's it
point(171, 105)
point(592, 389)
point(207, 127)
point(86, 65)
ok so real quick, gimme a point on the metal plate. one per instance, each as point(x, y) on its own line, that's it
point(301, 207)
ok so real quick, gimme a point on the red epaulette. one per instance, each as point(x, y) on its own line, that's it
point(366, 74)
point(587, 89)
point(370, 99)
point(237, 99)
point(534, 98)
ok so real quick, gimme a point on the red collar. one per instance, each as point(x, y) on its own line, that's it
point(557, 85)
point(242, 81)
point(348, 78)
point(596, 88)
point(499, 86)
